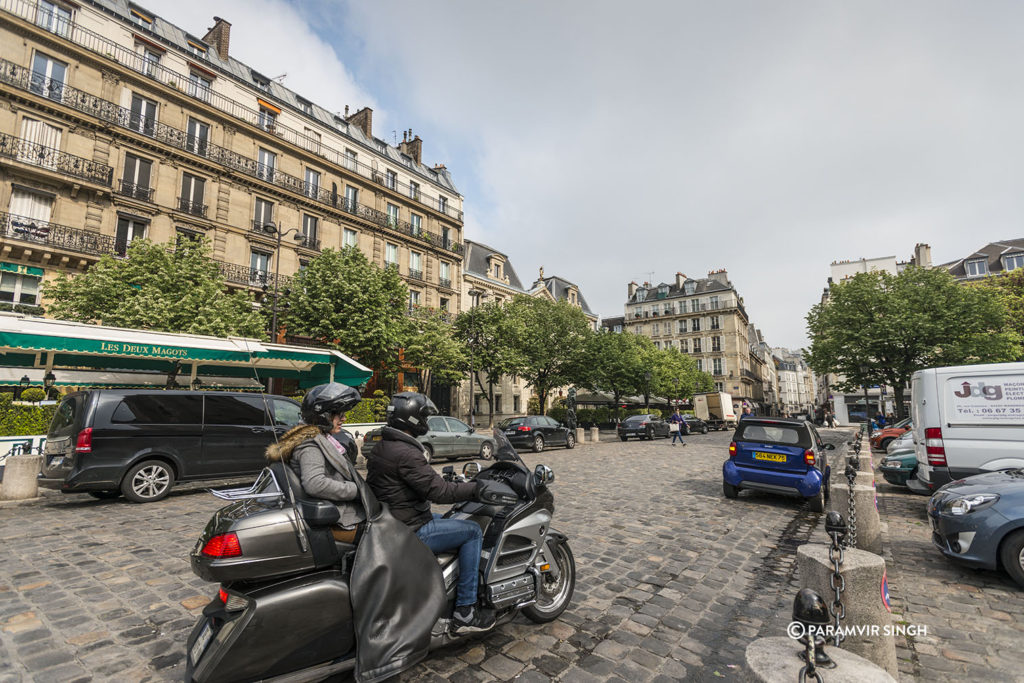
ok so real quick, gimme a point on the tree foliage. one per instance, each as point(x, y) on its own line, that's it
point(877, 328)
point(674, 375)
point(616, 364)
point(155, 287)
point(1009, 287)
point(342, 300)
point(489, 332)
point(432, 345)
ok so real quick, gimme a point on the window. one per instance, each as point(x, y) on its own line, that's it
point(128, 229)
point(1013, 261)
point(682, 326)
point(689, 287)
point(716, 322)
point(351, 198)
point(285, 412)
point(48, 76)
point(193, 192)
point(694, 305)
point(263, 213)
point(196, 47)
point(234, 410)
point(351, 160)
point(150, 61)
point(416, 224)
point(21, 287)
point(716, 343)
point(391, 255)
point(392, 216)
point(713, 303)
point(695, 325)
point(497, 271)
point(656, 329)
point(183, 238)
point(54, 18)
point(312, 183)
point(717, 366)
point(259, 266)
point(140, 18)
point(700, 365)
point(135, 179)
point(657, 345)
point(442, 204)
point(28, 210)
point(617, 328)
point(684, 345)
point(415, 264)
point(414, 298)
point(445, 304)
point(267, 160)
point(696, 345)
point(445, 274)
point(199, 86)
point(719, 386)
point(515, 404)
point(312, 140)
point(267, 119)
point(143, 115)
point(976, 268)
point(310, 230)
point(198, 136)
point(414, 190)
point(166, 408)
point(445, 242)
point(262, 82)
point(391, 180)
point(306, 107)
point(351, 239)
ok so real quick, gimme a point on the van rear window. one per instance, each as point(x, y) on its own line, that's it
point(165, 408)
point(65, 418)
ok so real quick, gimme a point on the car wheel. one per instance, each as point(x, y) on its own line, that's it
point(538, 443)
point(650, 434)
point(623, 438)
point(704, 429)
point(487, 450)
point(884, 444)
point(817, 503)
point(729, 490)
point(428, 452)
point(148, 482)
point(105, 495)
point(570, 440)
point(1012, 555)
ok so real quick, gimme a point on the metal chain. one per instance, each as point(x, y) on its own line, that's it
point(851, 518)
point(809, 671)
point(837, 609)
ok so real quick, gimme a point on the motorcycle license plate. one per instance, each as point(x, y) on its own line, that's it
point(201, 642)
point(773, 457)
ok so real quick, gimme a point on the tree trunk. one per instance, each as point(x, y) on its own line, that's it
point(542, 398)
point(428, 380)
point(483, 390)
point(897, 394)
point(490, 403)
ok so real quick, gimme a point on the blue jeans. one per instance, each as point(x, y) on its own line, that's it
point(678, 434)
point(445, 535)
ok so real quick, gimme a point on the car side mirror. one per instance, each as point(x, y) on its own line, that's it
point(470, 470)
point(830, 447)
point(472, 429)
point(544, 475)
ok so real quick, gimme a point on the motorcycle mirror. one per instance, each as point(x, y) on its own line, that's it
point(470, 469)
point(544, 474)
point(448, 469)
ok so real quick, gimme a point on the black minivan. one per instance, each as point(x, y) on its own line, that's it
point(138, 442)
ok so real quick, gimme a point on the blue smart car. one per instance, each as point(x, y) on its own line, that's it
point(780, 456)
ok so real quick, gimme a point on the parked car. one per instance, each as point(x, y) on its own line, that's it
point(779, 456)
point(902, 443)
point(537, 432)
point(646, 426)
point(899, 466)
point(883, 437)
point(140, 442)
point(692, 425)
point(979, 521)
point(448, 438)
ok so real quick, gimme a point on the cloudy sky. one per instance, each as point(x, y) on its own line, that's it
point(611, 141)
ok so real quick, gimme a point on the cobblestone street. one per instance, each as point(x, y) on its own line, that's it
point(673, 581)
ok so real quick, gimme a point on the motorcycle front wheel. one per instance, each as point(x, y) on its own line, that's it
point(555, 594)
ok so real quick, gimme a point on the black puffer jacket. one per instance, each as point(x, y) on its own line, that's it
point(399, 475)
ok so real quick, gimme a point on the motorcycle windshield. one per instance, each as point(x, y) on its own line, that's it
point(503, 450)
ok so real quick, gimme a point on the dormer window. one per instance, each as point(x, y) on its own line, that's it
point(976, 267)
point(262, 82)
point(141, 18)
point(1013, 261)
point(641, 294)
point(689, 287)
point(196, 47)
point(306, 107)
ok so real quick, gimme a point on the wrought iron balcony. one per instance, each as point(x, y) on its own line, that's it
point(25, 229)
point(308, 242)
point(188, 206)
point(415, 274)
point(100, 45)
point(55, 160)
point(253, 277)
point(749, 374)
point(445, 282)
point(140, 192)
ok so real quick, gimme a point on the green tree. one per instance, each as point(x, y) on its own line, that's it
point(432, 345)
point(1009, 287)
point(488, 332)
point(616, 364)
point(675, 375)
point(878, 328)
point(344, 301)
point(551, 341)
point(157, 287)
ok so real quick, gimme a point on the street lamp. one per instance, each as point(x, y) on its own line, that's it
point(196, 383)
point(49, 379)
point(479, 295)
point(678, 397)
point(867, 422)
point(24, 384)
point(271, 228)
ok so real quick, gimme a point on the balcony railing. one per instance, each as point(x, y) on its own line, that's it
point(25, 229)
point(254, 277)
point(21, 77)
point(749, 374)
point(415, 274)
point(445, 282)
point(135, 191)
point(186, 205)
point(308, 242)
point(55, 160)
point(31, 12)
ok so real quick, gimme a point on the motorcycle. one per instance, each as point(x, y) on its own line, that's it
point(284, 609)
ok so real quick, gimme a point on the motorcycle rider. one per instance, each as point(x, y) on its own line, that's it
point(322, 454)
point(400, 476)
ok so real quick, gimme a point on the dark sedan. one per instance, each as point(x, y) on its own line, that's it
point(980, 521)
point(643, 427)
point(537, 432)
point(694, 425)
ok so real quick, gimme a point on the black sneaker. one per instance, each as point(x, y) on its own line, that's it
point(471, 620)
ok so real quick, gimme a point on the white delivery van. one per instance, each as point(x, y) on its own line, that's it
point(967, 419)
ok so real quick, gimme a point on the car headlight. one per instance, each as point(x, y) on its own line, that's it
point(963, 505)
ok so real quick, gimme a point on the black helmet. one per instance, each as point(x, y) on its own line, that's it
point(325, 400)
point(409, 411)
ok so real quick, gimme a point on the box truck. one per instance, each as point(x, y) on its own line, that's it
point(716, 409)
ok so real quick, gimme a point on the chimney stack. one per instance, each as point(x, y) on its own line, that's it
point(720, 275)
point(411, 145)
point(922, 256)
point(363, 119)
point(680, 279)
point(219, 36)
point(631, 289)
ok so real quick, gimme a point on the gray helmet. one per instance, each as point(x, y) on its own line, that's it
point(325, 400)
point(408, 411)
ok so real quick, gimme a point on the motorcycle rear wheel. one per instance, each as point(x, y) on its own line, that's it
point(556, 596)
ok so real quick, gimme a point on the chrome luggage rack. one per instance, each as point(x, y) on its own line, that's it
point(264, 488)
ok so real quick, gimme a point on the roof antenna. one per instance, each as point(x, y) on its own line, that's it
point(280, 79)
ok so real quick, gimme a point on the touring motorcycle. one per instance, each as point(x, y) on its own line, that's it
point(295, 605)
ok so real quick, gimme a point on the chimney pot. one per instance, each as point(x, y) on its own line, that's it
point(219, 37)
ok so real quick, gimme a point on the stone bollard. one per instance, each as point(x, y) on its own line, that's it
point(21, 477)
point(579, 434)
point(869, 524)
point(595, 434)
point(863, 573)
point(777, 660)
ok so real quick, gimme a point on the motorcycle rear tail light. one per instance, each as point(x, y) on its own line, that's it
point(223, 545)
point(232, 602)
point(809, 456)
point(732, 450)
point(83, 444)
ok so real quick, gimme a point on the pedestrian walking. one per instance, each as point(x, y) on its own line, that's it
point(675, 425)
